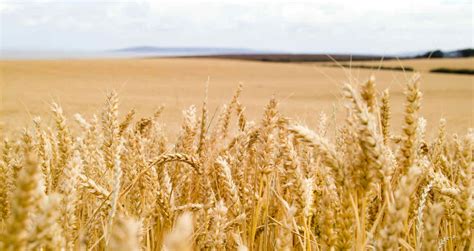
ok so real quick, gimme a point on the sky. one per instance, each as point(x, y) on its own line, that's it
point(329, 26)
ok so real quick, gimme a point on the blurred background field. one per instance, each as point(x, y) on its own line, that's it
point(28, 87)
point(420, 65)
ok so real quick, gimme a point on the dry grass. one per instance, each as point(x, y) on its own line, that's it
point(110, 183)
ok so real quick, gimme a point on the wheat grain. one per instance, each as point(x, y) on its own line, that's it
point(47, 232)
point(273, 184)
point(24, 202)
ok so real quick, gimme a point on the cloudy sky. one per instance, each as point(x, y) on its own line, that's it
point(362, 26)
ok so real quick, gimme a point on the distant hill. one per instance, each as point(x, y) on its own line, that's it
point(225, 53)
point(463, 53)
point(185, 50)
point(287, 58)
point(307, 57)
point(277, 56)
point(241, 53)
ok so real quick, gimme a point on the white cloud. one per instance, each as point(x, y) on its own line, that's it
point(332, 25)
point(7, 8)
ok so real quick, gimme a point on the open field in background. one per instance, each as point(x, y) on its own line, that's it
point(420, 65)
point(273, 185)
point(29, 87)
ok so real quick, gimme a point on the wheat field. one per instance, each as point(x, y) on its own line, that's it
point(115, 181)
point(27, 89)
point(424, 65)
